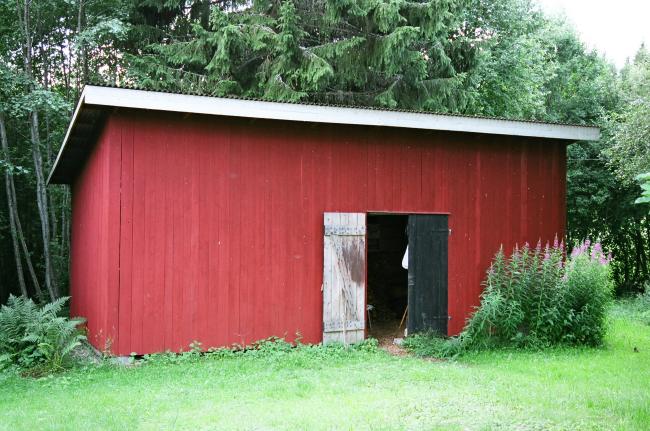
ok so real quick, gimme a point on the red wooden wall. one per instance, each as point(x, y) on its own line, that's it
point(94, 269)
point(205, 228)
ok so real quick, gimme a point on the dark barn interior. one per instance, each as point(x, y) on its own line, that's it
point(387, 280)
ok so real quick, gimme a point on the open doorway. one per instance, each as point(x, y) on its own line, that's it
point(387, 290)
point(362, 260)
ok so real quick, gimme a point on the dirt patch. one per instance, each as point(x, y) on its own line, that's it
point(395, 350)
point(386, 332)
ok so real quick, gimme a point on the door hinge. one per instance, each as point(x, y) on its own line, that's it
point(340, 325)
point(345, 230)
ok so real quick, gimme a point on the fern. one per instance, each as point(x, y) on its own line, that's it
point(33, 336)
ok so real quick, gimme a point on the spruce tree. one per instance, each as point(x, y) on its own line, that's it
point(389, 53)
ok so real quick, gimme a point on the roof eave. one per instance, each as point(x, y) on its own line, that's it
point(160, 101)
point(173, 102)
point(72, 124)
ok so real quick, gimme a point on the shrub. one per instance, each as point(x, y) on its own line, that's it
point(35, 337)
point(587, 294)
point(535, 298)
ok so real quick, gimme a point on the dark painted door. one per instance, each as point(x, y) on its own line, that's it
point(427, 273)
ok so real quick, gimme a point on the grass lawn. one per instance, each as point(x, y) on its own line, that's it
point(323, 389)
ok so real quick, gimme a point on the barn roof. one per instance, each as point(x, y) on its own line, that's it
point(96, 101)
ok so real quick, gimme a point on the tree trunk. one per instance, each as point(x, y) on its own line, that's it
point(23, 245)
point(49, 160)
point(81, 24)
point(17, 235)
point(43, 206)
point(41, 189)
point(66, 74)
point(9, 178)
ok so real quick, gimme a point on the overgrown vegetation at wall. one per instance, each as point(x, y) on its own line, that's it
point(535, 298)
point(272, 350)
point(37, 338)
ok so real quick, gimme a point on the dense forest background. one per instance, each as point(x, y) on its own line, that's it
point(486, 57)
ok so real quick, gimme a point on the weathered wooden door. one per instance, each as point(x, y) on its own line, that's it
point(427, 273)
point(344, 277)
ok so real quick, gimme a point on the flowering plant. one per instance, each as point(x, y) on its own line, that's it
point(588, 290)
point(595, 252)
point(539, 296)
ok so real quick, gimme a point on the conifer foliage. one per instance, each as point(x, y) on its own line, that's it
point(361, 52)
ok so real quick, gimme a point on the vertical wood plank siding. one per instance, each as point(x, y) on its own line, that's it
point(95, 241)
point(190, 227)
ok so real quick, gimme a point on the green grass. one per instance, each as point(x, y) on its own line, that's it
point(324, 389)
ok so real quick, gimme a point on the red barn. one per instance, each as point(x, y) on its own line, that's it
point(228, 221)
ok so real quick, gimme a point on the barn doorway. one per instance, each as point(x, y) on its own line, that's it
point(387, 290)
point(367, 291)
point(406, 300)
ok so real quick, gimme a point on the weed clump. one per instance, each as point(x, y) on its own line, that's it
point(274, 350)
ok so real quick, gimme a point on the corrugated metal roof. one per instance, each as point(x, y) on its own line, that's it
point(335, 105)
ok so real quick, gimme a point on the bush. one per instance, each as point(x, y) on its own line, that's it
point(535, 298)
point(35, 337)
point(587, 295)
